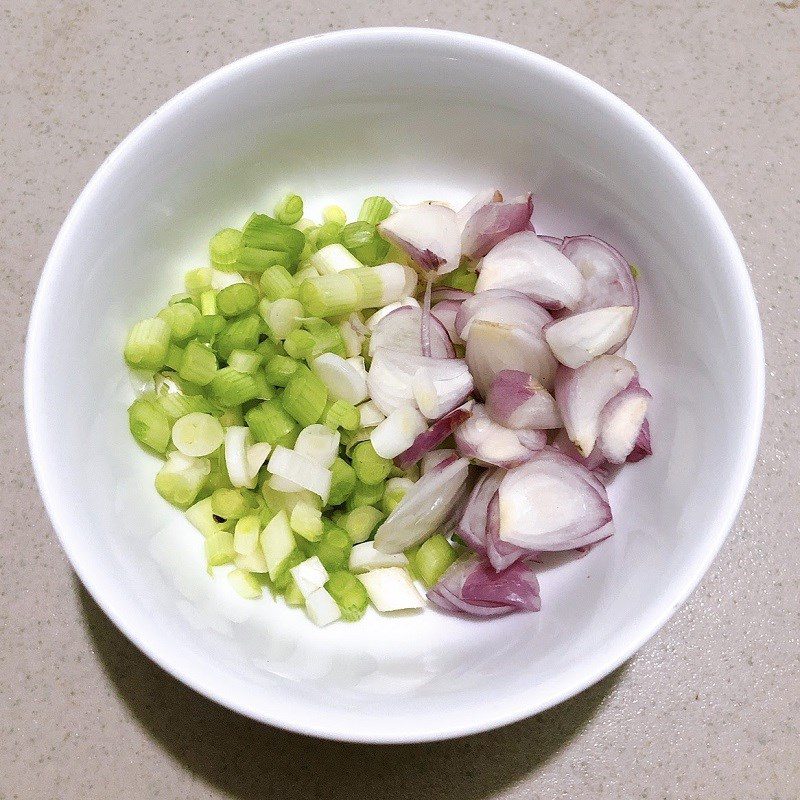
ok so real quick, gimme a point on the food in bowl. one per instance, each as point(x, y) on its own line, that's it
point(423, 397)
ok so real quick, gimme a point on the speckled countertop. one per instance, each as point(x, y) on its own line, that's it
point(708, 709)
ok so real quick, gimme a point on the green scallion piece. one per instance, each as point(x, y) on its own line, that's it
point(198, 280)
point(357, 234)
point(182, 319)
point(245, 361)
point(331, 295)
point(328, 233)
point(149, 425)
point(349, 593)
point(237, 299)
point(239, 334)
point(180, 480)
point(343, 482)
point(334, 213)
point(300, 344)
point(232, 503)
point(224, 249)
point(198, 363)
point(265, 233)
point(361, 522)
point(283, 576)
point(370, 468)
point(202, 517)
point(373, 253)
point(268, 422)
point(232, 388)
point(209, 327)
point(267, 349)
point(433, 558)
point(266, 391)
point(461, 278)
point(327, 338)
point(251, 259)
point(219, 548)
point(341, 414)
point(208, 302)
point(279, 369)
point(365, 495)
point(176, 405)
point(278, 283)
point(147, 345)
point(245, 584)
point(174, 357)
point(292, 595)
point(304, 397)
point(289, 211)
point(333, 549)
point(375, 210)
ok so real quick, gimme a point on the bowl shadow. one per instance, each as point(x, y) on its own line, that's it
point(247, 760)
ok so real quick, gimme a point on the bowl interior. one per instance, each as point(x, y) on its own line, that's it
point(414, 115)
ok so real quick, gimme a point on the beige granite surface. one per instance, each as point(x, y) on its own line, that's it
point(708, 709)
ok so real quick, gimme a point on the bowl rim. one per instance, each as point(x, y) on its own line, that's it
point(330, 725)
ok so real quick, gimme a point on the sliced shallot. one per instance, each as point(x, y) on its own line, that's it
point(529, 265)
point(401, 330)
point(621, 422)
point(424, 508)
point(516, 401)
point(432, 438)
point(432, 460)
point(441, 385)
point(582, 393)
point(429, 233)
point(472, 527)
point(471, 586)
point(446, 312)
point(578, 338)
point(397, 432)
point(494, 221)
point(489, 443)
point(552, 503)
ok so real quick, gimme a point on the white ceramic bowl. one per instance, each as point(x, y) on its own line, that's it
point(413, 114)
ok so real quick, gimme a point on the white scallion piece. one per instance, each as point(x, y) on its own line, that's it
point(364, 557)
point(319, 443)
point(343, 380)
point(398, 431)
point(370, 414)
point(309, 576)
point(391, 589)
point(301, 470)
point(321, 608)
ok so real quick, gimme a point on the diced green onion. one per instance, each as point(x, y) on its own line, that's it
point(334, 214)
point(304, 397)
point(375, 210)
point(304, 273)
point(176, 405)
point(365, 495)
point(267, 349)
point(180, 479)
point(277, 542)
point(433, 558)
point(341, 414)
point(147, 345)
point(373, 253)
point(331, 295)
point(232, 503)
point(370, 468)
point(237, 299)
point(327, 338)
point(293, 596)
point(239, 334)
point(198, 364)
point(333, 549)
point(245, 361)
point(197, 434)
point(265, 233)
point(289, 211)
point(231, 416)
point(245, 584)
point(251, 259)
point(395, 491)
point(198, 280)
point(283, 575)
point(343, 482)
point(461, 278)
point(328, 234)
point(278, 283)
point(219, 548)
point(269, 422)
point(279, 369)
point(246, 534)
point(202, 517)
point(333, 259)
point(224, 249)
point(174, 357)
point(232, 388)
point(357, 234)
point(208, 303)
point(182, 319)
point(349, 594)
point(306, 521)
point(210, 326)
point(361, 522)
point(149, 425)
point(299, 344)
point(265, 390)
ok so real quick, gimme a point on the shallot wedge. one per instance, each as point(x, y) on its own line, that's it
point(446, 312)
point(502, 554)
point(552, 503)
point(430, 439)
point(424, 508)
point(621, 422)
point(529, 265)
point(608, 276)
point(401, 330)
point(578, 338)
point(441, 385)
point(516, 401)
point(492, 222)
point(582, 393)
point(471, 586)
point(429, 233)
point(505, 306)
point(489, 443)
point(447, 293)
point(472, 527)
